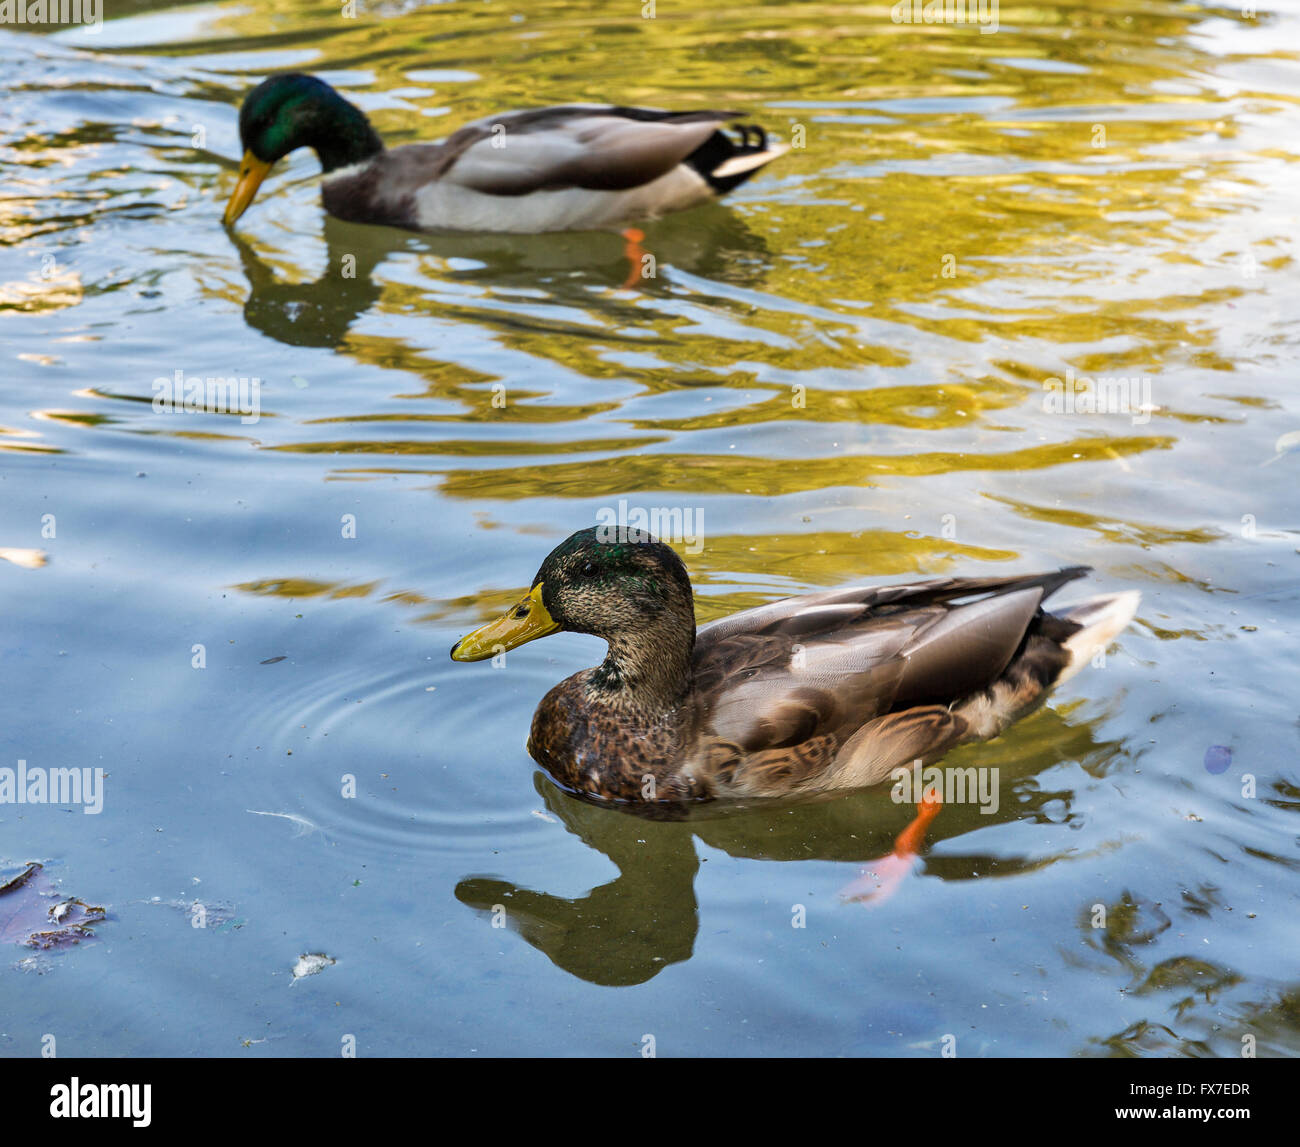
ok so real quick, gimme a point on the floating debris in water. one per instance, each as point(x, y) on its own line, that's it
point(311, 964)
point(27, 917)
point(71, 919)
point(28, 559)
point(301, 823)
point(1284, 445)
point(210, 915)
point(9, 883)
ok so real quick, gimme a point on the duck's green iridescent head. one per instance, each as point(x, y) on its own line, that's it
point(606, 581)
point(286, 112)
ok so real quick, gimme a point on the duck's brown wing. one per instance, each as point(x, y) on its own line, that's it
point(782, 689)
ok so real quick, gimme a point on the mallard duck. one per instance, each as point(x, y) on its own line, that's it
point(574, 168)
point(798, 697)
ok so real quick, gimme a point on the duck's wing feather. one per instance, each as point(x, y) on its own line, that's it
point(798, 614)
point(589, 146)
point(814, 671)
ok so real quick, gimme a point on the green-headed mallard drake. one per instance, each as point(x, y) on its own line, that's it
point(574, 168)
point(801, 696)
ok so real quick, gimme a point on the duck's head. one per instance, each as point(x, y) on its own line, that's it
point(612, 582)
point(286, 112)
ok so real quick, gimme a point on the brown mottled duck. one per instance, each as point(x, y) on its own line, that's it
point(579, 167)
point(801, 696)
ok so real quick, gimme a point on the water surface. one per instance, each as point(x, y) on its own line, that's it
point(842, 371)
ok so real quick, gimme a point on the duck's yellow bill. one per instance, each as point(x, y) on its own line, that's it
point(251, 173)
point(524, 622)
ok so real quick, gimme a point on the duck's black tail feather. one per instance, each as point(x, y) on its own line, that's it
point(725, 164)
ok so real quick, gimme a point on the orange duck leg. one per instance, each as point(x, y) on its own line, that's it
point(880, 879)
point(634, 253)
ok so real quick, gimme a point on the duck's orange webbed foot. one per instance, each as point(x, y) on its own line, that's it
point(635, 253)
point(881, 879)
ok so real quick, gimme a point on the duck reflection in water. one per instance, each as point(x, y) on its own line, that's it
point(717, 245)
point(317, 313)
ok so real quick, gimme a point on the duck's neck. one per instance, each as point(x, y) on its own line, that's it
point(343, 135)
point(649, 671)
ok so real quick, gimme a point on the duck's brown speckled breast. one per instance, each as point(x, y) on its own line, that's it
point(606, 753)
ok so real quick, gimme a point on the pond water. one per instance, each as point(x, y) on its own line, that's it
point(841, 372)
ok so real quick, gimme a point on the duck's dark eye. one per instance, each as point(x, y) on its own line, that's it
point(588, 569)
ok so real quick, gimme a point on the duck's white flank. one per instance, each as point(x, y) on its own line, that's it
point(447, 206)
